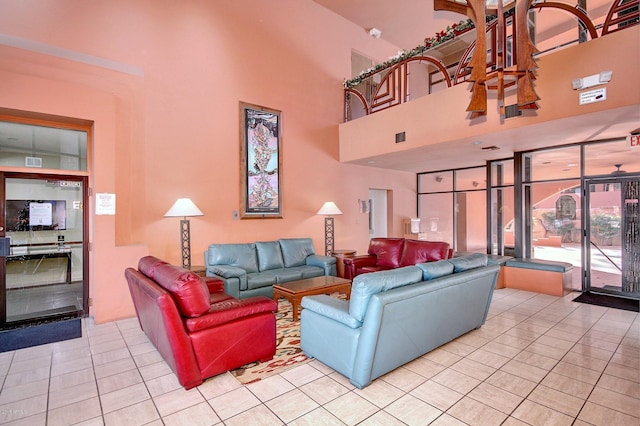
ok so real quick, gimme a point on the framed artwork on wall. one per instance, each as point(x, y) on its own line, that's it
point(260, 162)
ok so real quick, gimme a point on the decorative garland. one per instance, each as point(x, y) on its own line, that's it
point(429, 43)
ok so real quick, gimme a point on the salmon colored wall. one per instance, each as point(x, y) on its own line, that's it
point(422, 119)
point(162, 81)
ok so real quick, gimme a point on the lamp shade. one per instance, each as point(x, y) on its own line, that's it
point(183, 207)
point(329, 209)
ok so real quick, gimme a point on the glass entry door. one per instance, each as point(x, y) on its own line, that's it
point(44, 252)
point(613, 237)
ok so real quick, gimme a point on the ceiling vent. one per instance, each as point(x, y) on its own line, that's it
point(512, 111)
point(33, 161)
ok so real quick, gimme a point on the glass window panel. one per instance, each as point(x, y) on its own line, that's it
point(556, 227)
point(502, 217)
point(604, 158)
point(502, 173)
point(436, 217)
point(470, 179)
point(471, 221)
point(44, 268)
point(435, 182)
point(561, 163)
point(40, 147)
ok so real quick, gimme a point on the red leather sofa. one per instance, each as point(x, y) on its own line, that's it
point(390, 253)
point(198, 329)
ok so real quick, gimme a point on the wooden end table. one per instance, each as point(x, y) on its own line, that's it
point(294, 291)
point(199, 270)
point(340, 255)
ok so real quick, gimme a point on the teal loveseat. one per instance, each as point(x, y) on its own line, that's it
point(251, 269)
point(396, 316)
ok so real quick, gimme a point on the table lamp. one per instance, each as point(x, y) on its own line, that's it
point(184, 207)
point(328, 209)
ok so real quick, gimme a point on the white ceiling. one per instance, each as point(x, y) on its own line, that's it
point(404, 23)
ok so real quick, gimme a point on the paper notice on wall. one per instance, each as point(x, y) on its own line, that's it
point(40, 214)
point(105, 204)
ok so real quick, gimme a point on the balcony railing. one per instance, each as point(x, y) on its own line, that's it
point(420, 72)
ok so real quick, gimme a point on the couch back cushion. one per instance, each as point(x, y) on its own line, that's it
point(239, 255)
point(469, 261)
point(269, 255)
point(387, 251)
point(417, 251)
point(188, 289)
point(296, 250)
point(147, 265)
point(366, 285)
point(437, 269)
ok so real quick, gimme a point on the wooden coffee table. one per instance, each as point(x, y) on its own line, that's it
point(294, 291)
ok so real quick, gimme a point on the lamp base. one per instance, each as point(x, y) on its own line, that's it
point(185, 243)
point(328, 236)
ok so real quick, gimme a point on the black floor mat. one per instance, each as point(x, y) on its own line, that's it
point(609, 301)
point(24, 337)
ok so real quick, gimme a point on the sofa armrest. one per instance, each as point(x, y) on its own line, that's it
point(351, 264)
point(227, 271)
point(331, 307)
point(327, 263)
point(234, 278)
point(231, 310)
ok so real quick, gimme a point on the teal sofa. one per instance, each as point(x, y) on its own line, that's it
point(397, 315)
point(251, 269)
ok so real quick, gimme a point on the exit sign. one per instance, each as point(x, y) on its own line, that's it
point(633, 141)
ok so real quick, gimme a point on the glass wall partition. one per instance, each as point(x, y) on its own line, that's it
point(452, 208)
point(580, 206)
point(612, 225)
point(552, 203)
point(43, 220)
point(45, 263)
point(501, 226)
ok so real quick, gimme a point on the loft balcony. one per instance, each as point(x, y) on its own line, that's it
point(423, 94)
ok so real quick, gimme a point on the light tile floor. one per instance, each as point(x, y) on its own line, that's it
point(539, 360)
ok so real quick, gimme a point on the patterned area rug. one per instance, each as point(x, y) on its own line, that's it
point(288, 352)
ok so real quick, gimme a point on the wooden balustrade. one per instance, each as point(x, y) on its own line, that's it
point(394, 84)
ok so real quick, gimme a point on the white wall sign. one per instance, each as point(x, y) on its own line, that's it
point(105, 203)
point(592, 96)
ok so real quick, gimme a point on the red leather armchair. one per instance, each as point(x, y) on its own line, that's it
point(198, 329)
point(390, 253)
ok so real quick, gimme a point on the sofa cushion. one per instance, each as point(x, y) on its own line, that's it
point(188, 289)
point(261, 279)
point(148, 264)
point(387, 250)
point(417, 251)
point(309, 271)
point(240, 255)
point(288, 274)
point(269, 255)
point(296, 250)
point(366, 285)
point(437, 269)
point(231, 310)
point(470, 261)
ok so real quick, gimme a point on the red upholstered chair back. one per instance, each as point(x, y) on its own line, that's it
point(417, 251)
point(387, 250)
point(188, 289)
